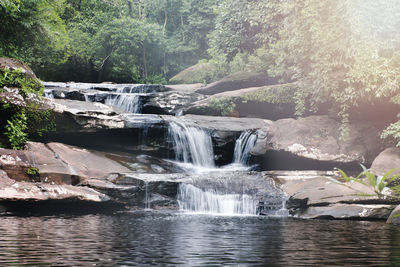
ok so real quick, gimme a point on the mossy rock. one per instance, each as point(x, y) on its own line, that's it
point(16, 74)
point(237, 81)
point(199, 73)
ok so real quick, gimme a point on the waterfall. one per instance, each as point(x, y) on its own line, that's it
point(129, 103)
point(193, 199)
point(128, 98)
point(191, 144)
point(243, 146)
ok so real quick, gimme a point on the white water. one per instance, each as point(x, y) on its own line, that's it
point(191, 145)
point(196, 200)
point(129, 103)
point(243, 146)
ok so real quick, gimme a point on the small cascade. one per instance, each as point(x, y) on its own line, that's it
point(243, 146)
point(129, 103)
point(191, 144)
point(193, 199)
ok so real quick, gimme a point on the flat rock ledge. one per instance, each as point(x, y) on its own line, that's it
point(313, 195)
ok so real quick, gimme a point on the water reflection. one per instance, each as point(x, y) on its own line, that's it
point(168, 239)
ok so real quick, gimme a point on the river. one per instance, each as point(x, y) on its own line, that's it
point(145, 238)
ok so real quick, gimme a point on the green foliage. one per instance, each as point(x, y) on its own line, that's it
point(378, 183)
point(16, 130)
point(275, 94)
point(392, 131)
point(18, 79)
point(225, 105)
point(33, 172)
point(39, 121)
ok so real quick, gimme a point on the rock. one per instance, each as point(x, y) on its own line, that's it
point(185, 88)
point(313, 195)
point(394, 217)
point(320, 191)
point(199, 73)
point(317, 138)
point(15, 164)
point(235, 81)
point(386, 160)
point(76, 116)
point(23, 191)
point(270, 102)
point(170, 102)
point(84, 163)
point(57, 163)
point(346, 211)
point(14, 64)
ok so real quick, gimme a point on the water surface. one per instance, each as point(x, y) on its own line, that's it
point(171, 239)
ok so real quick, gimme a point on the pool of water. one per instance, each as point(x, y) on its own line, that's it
point(171, 239)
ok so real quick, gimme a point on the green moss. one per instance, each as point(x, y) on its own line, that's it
point(277, 94)
point(224, 105)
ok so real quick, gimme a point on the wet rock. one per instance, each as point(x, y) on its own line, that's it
point(318, 138)
point(348, 211)
point(75, 116)
point(235, 81)
point(386, 160)
point(23, 191)
point(170, 102)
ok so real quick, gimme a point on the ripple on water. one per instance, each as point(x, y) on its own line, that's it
point(170, 239)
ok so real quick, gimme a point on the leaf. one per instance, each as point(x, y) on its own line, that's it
point(344, 175)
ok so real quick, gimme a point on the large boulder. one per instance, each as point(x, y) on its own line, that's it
point(199, 73)
point(318, 139)
point(387, 160)
point(315, 194)
point(15, 64)
point(235, 81)
point(56, 163)
point(270, 102)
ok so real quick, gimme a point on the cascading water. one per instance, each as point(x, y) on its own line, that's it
point(129, 103)
point(193, 199)
point(243, 146)
point(191, 144)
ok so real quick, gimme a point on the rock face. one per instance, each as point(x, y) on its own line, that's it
point(235, 81)
point(387, 160)
point(56, 164)
point(312, 195)
point(318, 138)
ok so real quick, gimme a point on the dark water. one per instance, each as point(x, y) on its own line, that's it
point(170, 239)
